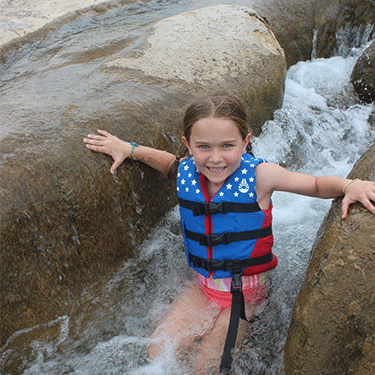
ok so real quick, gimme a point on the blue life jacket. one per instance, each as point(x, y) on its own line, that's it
point(229, 231)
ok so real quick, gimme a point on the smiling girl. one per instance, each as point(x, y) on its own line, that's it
point(226, 214)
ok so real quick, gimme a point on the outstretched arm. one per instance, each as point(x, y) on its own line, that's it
point(271, 177)
point(119, 150)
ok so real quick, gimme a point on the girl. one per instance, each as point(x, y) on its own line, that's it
point(225, 204)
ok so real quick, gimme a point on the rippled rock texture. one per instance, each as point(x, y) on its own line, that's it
point(65, 222)
point(332, 331)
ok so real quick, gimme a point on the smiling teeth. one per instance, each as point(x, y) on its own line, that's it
point(216, 169)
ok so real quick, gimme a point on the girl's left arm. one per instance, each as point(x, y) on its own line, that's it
point(272, 177)
point(120, 150)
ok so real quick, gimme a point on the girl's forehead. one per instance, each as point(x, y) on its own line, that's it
point(215, 127)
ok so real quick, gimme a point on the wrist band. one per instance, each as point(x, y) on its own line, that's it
point(350, 182)
point(132, 151)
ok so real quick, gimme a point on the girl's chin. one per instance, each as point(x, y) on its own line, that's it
point(216, 177)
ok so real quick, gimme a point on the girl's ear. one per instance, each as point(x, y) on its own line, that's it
point(246, 142)
point(186, 143)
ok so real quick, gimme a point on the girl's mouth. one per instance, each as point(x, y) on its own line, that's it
point(217, 169)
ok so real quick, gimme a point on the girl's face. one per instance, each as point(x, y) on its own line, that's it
point(217, 146)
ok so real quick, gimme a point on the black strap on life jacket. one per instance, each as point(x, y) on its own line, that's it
point(238, 301)
point(211, 208)
point(228, 264)
point(237, 312)
point(226, 238)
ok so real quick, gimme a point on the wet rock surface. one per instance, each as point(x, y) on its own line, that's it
point(65, 222)
point(342, 24)
point(363, 75)
point(332, 327)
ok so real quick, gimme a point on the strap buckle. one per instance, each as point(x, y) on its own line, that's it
point(213, 239)
point(236, 284)
point(209, 208)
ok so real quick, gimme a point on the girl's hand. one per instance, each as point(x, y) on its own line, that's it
point(107, 143)
point(359, 191)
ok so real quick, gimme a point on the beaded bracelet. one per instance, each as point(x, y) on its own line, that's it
point(132, 151)
point(350, 182)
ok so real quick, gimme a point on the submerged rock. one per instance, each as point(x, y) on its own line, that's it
point(333, 328)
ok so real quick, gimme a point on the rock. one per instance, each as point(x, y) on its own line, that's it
point(206, 48)
point(332, 328)
point(363, 75)
point(342, 24)
point(65, 222)
point(292, 22)
point(19, 18)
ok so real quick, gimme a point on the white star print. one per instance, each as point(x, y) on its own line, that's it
point(236, 194)
point(252, 165)
point(251, 195)
point(182, 182)
point(197, 191)
point(178, 189)
point(186, 167)
point(221, 193)
point(229, 186)
point(236, 179)
point(189, 175)
point(194, 182)
point(251, 179)
point(178, 174)
point(244, 171)
point(187, 189)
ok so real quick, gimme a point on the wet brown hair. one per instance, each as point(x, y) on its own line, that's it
point(219, 105)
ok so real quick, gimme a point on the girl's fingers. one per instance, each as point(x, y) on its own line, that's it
point(344, 208)
point(367, 199)
point(103, 132)
point(92, 137)
point(114, 166)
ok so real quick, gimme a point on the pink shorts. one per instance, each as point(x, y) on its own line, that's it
point(254, 288)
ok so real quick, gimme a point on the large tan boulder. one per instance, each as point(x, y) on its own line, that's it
point(224, 47)
point(332, 330)
point(292, 21)
point(65, 222)
point(363, 75)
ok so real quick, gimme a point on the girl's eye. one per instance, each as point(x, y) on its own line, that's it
point(203, 147)
point(228, 145)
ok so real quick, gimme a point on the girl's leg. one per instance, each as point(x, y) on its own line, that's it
point(208, 357)
point(191, 316)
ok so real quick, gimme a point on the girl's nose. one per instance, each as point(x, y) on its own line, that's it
point(216, 156)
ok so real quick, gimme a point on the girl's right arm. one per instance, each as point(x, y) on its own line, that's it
point(272, 177)
point(119, 150)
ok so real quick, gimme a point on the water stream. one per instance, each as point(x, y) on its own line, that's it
point(321, 129)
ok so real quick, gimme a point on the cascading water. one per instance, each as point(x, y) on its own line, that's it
point(321, 129)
